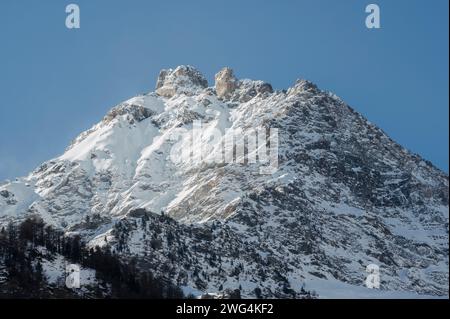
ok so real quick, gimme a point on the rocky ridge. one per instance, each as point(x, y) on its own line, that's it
point(344, 194)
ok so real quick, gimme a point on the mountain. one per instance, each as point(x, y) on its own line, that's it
point(313, 194)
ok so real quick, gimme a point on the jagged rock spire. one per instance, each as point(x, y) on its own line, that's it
point(226, 83)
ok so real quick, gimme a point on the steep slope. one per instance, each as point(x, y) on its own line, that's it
point(340, 195)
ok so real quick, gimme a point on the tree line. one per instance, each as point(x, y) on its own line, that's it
point(20, 253)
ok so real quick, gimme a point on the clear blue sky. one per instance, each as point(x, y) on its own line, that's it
point(56, 82)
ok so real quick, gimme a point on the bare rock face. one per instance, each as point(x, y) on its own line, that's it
point(184, 79)
point(226, 83)
point(161, 78)
point(230, 88)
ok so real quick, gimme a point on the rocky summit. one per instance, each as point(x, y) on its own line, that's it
point(344, 195)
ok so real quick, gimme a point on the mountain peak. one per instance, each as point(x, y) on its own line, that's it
point(344, 195)
point(302, 85)
point(183, 79)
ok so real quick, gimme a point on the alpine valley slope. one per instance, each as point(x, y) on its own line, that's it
point(344, 195)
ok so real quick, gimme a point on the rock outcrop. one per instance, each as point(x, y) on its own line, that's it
point(226, 83)
point(184, 79)
point(228, 87)
point(303, 86)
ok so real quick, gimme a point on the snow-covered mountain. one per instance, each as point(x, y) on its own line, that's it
point(341, 196)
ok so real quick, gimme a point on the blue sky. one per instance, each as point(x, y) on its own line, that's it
point(56, 82)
